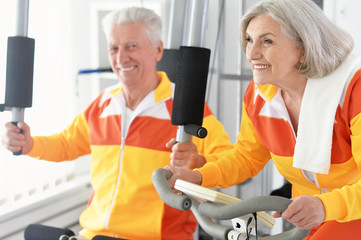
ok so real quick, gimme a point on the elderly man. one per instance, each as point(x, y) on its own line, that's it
point(128, 132)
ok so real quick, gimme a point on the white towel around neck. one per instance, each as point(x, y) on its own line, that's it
point(317, 116)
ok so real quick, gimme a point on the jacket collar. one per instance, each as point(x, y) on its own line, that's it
point(162, 92)
point(164, 89)
point(268, 92)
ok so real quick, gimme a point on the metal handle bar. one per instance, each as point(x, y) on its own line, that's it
point(244, 207)
point(208, 225)
point(206, 211)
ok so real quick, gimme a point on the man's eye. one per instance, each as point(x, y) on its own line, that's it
point(112, 49)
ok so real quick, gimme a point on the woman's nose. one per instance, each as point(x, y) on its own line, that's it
point(253, 52)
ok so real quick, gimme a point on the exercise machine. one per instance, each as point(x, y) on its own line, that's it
point(206, 211)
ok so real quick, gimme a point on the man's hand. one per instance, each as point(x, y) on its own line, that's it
point(185, 155)
point(14, 140)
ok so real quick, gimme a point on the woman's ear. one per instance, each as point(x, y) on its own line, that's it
point(302, 56)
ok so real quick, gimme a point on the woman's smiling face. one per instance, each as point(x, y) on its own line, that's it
point(274, 58)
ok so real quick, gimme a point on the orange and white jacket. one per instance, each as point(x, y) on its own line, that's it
point(266, 133)
point(125, 203)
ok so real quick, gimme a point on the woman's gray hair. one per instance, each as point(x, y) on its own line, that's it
point(152, 22)
point(325, 46)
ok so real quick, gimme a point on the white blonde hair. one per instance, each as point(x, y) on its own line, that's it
point(152, 22)
point(324, 45)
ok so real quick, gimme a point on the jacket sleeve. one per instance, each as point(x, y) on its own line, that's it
point(66, 145)
point(217, 141)
point(343, 204)
point(247, 157)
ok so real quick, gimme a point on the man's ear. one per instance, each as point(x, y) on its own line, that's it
point(159, 48)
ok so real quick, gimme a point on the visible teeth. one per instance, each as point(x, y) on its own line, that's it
point(124, 69)
point(261, 66)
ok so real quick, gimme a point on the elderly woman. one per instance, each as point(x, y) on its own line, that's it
point(302, 109)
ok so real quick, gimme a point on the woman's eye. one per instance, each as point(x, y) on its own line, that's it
point(268, 41)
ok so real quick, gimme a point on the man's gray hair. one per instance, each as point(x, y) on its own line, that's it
point(325, 46)
point(152, 22)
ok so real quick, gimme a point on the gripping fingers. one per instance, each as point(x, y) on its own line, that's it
point(171, 143)
point(14, 139)
point(305, 212)
point(13, 142)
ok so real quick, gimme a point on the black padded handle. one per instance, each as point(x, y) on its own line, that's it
point(195, 130)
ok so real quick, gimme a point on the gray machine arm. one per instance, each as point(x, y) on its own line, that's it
point(206, 211)
point(159, 178)
point(208, 225)
point(244, 207)
point(249, 206)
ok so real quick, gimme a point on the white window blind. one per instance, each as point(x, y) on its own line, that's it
point(22, 178)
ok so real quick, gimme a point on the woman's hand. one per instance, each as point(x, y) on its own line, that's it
point(305, 212)
point(184, 174)
point(185, 155)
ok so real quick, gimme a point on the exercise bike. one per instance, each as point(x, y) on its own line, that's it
point(206, 212)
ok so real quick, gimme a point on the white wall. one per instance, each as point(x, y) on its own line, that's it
point(346, 13)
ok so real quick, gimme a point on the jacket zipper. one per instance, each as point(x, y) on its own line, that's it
point(124, 133)
point(123, 137)
point(117, 185)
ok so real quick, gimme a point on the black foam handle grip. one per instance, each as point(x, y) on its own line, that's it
point(21, 131)
point(42, 232)
point(195, 130)
point(190, 85)
point(19, 72)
